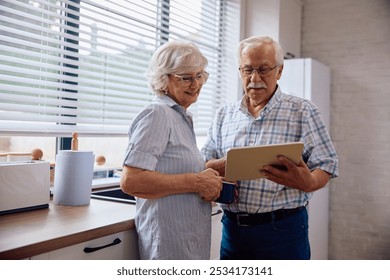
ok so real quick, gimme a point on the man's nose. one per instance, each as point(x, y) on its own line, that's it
point(255, 76)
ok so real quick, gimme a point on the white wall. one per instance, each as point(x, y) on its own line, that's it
point(279, 19)
point(352, 37)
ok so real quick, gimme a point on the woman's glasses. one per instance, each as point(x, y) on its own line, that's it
point(187, 80)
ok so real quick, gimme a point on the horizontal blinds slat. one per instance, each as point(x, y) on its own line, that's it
point(64, 119)
point(73, 100)
point(50, 129)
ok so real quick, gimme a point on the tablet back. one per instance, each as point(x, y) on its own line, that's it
point(244, 163)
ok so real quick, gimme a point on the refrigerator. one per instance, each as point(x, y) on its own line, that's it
point(310, 79)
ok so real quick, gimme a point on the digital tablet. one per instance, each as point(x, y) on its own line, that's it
point(244, 163)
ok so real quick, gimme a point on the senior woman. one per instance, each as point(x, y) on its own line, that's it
point(163, 167)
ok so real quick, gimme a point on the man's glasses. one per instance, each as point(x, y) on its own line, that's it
point(187, 80)
point(262, 71)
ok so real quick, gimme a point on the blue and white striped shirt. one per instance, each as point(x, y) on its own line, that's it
point(162, 139)
point(284, 119)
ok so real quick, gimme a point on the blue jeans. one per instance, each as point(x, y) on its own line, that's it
point(284, 239)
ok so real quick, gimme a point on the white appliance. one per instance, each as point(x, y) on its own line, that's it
point(310, 79)
point(24, 186)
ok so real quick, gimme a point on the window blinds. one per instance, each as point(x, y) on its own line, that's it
point(79, 65)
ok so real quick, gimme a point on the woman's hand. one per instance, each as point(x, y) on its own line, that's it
point(209, 184)
point(151, 184)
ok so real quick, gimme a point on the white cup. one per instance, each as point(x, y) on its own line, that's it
point(73, 178)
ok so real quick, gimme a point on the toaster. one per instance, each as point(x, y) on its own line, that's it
point(24, 186)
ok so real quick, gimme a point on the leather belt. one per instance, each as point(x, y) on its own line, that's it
point(246, 219)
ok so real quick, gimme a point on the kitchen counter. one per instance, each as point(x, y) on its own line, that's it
point(30, 233)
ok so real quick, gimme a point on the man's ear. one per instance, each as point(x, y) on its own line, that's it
point(280, 70)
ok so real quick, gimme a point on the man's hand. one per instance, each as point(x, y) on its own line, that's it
point(297, 176)
point(218, 165)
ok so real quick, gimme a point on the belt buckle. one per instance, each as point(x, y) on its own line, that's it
point(239, 223)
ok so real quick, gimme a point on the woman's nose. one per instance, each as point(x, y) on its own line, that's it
point(195, 83)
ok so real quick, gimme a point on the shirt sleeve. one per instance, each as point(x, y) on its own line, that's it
point(319, 150)
point(148, 138)
point(210, 147)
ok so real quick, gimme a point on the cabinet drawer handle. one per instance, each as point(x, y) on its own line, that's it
point(216, 213)
point(90, 250)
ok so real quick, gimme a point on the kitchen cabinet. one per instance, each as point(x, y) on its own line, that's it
point(103, 248)
point(128, 248)
point(38, 232)
point(280, 19)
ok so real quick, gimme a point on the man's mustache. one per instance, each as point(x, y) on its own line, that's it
point(256, 85)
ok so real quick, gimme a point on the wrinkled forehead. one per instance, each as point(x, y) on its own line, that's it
point(258, 55)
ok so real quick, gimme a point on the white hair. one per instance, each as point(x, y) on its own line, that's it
point(256, 41)
point(173, 58)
